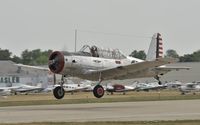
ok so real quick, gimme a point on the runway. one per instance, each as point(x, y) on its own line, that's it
point(122, 111)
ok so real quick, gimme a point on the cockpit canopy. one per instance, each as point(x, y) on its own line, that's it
point(94, 51)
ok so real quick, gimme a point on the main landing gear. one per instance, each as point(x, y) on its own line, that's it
point(59, 91)
point(98, 90)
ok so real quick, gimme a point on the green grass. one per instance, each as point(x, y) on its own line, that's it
point(181, 122)
point(48, 99)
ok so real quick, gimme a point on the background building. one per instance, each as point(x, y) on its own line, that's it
point(11, 75)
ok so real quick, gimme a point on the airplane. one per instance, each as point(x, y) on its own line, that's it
point(72, 87)
point(22, 88)
point(149, 86)
point(190, 88)
point(119, 88)
point(173, 85)
point(4, 91)
point(98, 64)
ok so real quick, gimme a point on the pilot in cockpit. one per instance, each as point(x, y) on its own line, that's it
point(94, 51)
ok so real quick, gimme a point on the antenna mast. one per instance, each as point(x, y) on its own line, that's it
point(75, 40)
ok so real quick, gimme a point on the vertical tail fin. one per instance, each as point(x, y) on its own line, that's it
point(156, 48)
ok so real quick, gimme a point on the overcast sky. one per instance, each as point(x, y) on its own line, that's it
point(123, 24)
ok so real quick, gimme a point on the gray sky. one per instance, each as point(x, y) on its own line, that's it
point(50, 24)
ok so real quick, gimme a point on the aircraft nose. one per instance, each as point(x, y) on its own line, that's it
point(56, 62)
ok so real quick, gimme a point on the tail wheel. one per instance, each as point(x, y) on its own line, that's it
point(59, 92)
point(158, 78)
point(98, 91)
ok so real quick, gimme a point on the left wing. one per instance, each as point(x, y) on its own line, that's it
point(32, 67)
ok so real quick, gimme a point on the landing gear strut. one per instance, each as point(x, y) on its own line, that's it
point(59, 91)
point(158, 78)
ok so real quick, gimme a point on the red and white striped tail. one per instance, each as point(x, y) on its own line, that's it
point(159, 53)
point(155, 48)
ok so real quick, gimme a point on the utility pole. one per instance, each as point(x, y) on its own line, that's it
point(75, 40)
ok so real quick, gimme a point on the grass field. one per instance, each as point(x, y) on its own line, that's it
point(87, 97)
point(184, 122)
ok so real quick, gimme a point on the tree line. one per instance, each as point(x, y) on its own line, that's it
point(194, 57)
point(28, 57)
point(39, 57)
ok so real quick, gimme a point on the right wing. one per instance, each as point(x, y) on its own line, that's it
point(170, 68)
point(119, 72)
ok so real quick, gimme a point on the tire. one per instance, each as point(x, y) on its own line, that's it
point(98, 91)
point(59, 92)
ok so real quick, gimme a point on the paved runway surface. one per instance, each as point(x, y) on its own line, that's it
point(123, 111)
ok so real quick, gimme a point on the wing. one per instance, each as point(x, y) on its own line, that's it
point(32, 67)
point(171, 68)
point(151, 88)
point(123, 72)
point(22, 90)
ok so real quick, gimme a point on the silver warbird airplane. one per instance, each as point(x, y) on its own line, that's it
point(97, 64)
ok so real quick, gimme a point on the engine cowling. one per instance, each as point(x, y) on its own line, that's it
point(56, 62)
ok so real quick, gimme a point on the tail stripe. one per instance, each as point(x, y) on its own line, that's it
point(159, 52)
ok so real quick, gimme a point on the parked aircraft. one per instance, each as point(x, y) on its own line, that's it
point(149, 86)
point(119, 88)
point(22, 88)
point(26, 89)
point(173, 84)
point(190, 88)
point(97, 64)
point(72, 87)
point(4, 91)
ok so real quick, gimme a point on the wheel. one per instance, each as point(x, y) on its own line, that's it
point(59, 92)
point(98, 91)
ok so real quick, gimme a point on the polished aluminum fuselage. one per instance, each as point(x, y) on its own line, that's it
point(90, 68)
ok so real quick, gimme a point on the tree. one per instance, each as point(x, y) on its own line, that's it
point(5, 54)
point(138, 54)
point(16, 59)
point(194, 57)
point(26, 57)
point(35, 57)
point(172, 53)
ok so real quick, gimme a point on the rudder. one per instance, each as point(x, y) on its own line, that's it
point(156, 48)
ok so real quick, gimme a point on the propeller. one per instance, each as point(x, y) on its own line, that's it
point(53, 64)
point(56, 62)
